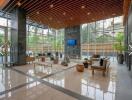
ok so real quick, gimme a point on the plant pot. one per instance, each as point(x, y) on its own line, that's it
point(120, 58)
point(51, 58)
point(80, 68)
point(85, 64)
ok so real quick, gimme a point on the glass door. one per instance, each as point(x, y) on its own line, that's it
point(130, 51)
point(4, 46)
point(2, 39)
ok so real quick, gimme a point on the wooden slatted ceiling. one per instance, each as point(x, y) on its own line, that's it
point(64, 13)
point(126, 9)
point(3, 3)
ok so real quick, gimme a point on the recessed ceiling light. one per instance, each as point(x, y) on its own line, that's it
point(18, 3)
point(64, 13)
point(88, 13)
point(93, 19)
point(71, 18)
point(58, 21)
point(113, 14)
point(82, 7)
point(51, 6)
point(37, 12)
point(50, 18)
point(103, 13)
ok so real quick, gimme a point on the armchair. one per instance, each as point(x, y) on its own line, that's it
point(104, 68)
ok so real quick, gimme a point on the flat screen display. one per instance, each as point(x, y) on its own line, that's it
point(71, 42)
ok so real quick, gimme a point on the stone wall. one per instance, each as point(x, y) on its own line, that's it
point(73, 33)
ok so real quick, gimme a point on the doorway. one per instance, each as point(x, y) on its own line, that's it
point(4, 45)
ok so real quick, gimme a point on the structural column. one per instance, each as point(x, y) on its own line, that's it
point(18, 37)
point(72, 42)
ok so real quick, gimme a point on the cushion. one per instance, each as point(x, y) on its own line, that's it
point(101, 61)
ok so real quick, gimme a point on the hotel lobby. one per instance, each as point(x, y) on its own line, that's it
point(65, 49)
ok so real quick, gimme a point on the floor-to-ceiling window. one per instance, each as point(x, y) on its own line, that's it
point(60, 41)
point(5, 30)
point(43, 40)
point(98, 37)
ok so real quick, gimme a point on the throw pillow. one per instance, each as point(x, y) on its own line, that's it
point(101, 62)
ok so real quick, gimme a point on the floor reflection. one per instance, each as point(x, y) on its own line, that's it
point(10, 79)
point(96, 87)
point(42, 71)
point(36, 91)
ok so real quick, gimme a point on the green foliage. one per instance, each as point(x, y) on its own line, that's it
point(86, 34)
point(1, 39)
point(33, 39)
point(104, 38)
point(119, 37)
point(57, 42)
point(119, 45)
point(86, 59)
point(52, 40)
point(89, 35)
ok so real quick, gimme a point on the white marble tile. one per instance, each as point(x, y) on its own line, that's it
point(10, 79)
point(41, 71)
point(86, 84)
point(36, 91)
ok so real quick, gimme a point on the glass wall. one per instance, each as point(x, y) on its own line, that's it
point(98, 37)
point(41, 40)
point(5, 30)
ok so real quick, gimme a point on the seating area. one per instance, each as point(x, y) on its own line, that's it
point(104, 67)
point(95, 63)
point(70, 77)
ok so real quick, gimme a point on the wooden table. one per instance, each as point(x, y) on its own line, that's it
point(47, 64)
point(41, 58)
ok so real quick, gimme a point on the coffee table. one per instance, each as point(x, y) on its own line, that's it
point(44, 64)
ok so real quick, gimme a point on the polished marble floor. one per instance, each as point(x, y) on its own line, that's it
point(36, 91)
point(96, 87)
point(85, 84)
point(10, 79)
point(56, 83)
point(43, 71)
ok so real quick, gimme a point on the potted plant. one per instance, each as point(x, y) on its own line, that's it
point(119, 47)
point(52, 58)
point(85, 63)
